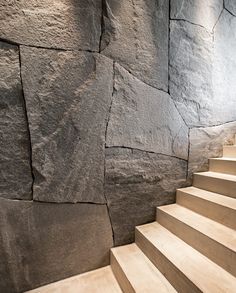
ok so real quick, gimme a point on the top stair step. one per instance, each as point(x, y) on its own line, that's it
point(223, 165)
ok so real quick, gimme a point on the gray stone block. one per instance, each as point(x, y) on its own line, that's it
point(136, 183)
point(52, 24)
point(68, 96)
point(145, 118)
point(203, 13)
point(41, 243)
point(136, 36)
point(16, 178)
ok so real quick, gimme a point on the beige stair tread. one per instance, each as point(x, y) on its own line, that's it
point(224, 159)
point(139, 270)
point(218, 175)
point(205, 274)
point(97, 281)
point(217, 198)
point(216, 231)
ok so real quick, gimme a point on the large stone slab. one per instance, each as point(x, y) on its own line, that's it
point(230, 5)
point(145, 118)
point(191, 60)
point(66, 24)
point(68, 95)
point(136, 35)
point(208, 143)
point(137, 182)
point(41, 243)
point(204, 13)
point(16, 178)
point(224, 68)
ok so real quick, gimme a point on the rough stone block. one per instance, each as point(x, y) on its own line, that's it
point(208, 143)
point(203, 13)
point(145, 118)
point(191, 60)
point(68, 96)
point(66, 24)
point(16, 178)
point(41, 243)
point(136, 183)
point(230, 5)
point(136, 35)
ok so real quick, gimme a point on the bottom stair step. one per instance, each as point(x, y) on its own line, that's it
point(97, 281)
point(185, 268)
point(135, 272)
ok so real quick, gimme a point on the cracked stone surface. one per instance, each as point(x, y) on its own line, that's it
point(191, 72)
point(42, 243)
point(224, 73)
point(231, 6)
point(52, 23)
point(145, 118)
point(137, 182)
point(208, 143)
point(204, 13)
point(16, 178)
point(136, 36)
point(68, 95)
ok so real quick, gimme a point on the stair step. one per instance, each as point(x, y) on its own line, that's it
point(215, 206)
point(97, 281)
point(212, 239)
point(223, 165)
point(184, 267)
point(135, 272)
point(229, 151)
point(216, 182)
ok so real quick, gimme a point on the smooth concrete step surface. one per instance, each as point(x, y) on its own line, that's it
point(185, 268)
point(215, 206)
point(97, 281)
point(223, 165)
point(229, 151)
point(135, 272)
point(212, 239)
point(216, 182)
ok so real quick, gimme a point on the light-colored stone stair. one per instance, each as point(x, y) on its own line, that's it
point(190, 248)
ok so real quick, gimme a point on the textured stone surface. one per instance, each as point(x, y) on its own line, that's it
point(231, 6)
point(15, 179)
point(68, 95)
point(202, 71)
point(224, 68)
point(204, 13)
point(136, 35)
point(191, 72)
point(52, 23)
point(137, 182)
point(145, 118)
point(208, 143)
point(41, 243)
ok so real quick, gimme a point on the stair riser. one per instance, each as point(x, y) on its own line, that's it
point(216, 185)
point(227, 167)
point(178, 280)
point(229, 151)
point(214, 211)
point(214, 250)
point(120, 275)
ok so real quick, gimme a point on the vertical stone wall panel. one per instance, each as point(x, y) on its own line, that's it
point(42, 243)
point(16, 178)
point(68, 95)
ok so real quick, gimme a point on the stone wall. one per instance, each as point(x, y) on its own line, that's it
point(106, 107)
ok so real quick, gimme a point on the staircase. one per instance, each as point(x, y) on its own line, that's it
point(190, 248)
